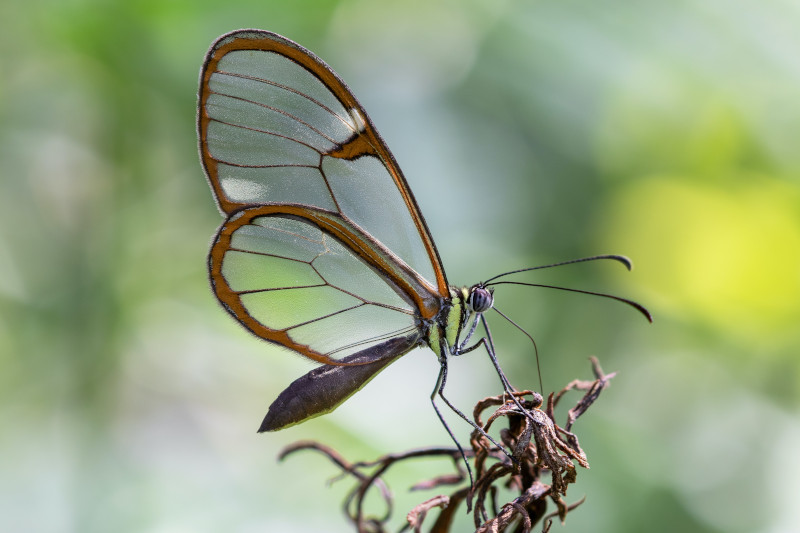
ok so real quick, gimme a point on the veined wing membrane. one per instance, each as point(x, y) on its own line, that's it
point(250, 114)
point(279, 184)
point(243, 146)
point(292, 282)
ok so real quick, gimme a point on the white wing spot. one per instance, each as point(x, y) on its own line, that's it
point(239, 189)
point(358, 120)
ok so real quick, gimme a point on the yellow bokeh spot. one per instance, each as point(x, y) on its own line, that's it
point(725, 252)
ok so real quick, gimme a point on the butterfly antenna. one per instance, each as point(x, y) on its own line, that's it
point(535, 348)
point(619, 258)
point(639, 307)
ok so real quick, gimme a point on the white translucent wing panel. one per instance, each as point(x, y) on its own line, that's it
point(272, 124)
point(292, 277)
point(366, 195)
point(277, 185)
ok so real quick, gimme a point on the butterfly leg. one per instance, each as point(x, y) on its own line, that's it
point(488, 344)
point(459, 348)
point(440, 383)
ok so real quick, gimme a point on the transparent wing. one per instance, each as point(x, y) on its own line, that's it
point(278, 126)
point(292, 280)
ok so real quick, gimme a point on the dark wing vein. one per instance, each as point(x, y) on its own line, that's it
point(281, 111)
point(389, 335)
point(319, 318)
point(293, 90)
point(271, 255)
point(242, 165)
point(253, 291)
point(293, 234)
point(330, 191)
point(258, 130)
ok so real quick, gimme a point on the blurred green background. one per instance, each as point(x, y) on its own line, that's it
point(530, 132)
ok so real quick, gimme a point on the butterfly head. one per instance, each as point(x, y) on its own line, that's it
point(480, 299)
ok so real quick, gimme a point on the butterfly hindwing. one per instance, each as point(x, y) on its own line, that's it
point(290, 281)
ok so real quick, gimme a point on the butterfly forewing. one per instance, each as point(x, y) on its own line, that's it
point(348, 263)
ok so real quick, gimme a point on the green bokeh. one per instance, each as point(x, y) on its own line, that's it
point(531, 132)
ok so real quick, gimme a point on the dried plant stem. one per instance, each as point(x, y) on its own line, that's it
point(534, 446)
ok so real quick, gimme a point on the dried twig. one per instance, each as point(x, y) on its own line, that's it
point(531, 437)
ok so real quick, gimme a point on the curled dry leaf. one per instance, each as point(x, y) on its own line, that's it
point(537, 461)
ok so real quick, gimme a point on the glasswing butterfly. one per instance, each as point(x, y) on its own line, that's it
point(324, 250)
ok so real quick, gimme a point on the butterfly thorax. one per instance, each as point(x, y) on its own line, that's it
point(454, 314)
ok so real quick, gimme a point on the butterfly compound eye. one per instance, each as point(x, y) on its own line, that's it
point(480, 299)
